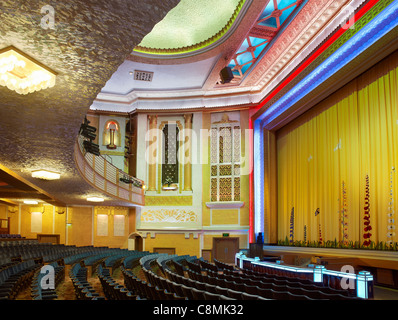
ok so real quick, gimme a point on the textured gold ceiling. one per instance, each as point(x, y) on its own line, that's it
point(89, 41)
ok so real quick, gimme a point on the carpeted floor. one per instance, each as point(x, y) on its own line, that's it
point(65, 290)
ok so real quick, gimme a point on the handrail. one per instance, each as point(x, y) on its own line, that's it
point(363, 280)
point(104, 176)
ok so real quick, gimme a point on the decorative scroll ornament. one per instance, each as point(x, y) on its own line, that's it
point(60, 210)
point(367, 227)
point(12, 209)
point(40, 209)
point(169, 215)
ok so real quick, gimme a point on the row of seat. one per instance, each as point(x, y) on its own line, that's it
point(18, 242)
point(10, 236)
point(303, 283)
point(277, 282)
point(45, 251)
point(190, 290)
point(83, 289)
point(223, 266)
point(208, 265)
point(112, 289)
point(15, 278)
point(136, 285)
point(267, 287)
point(42, 287)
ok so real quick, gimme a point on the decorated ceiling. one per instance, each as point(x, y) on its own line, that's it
point(88, 42)
point(191, 25)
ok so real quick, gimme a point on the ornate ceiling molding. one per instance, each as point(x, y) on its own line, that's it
point(225, 46)
point(347, 57)
point(309, 21)
point(307, 32)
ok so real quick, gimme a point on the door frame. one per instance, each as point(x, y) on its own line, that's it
point(217, 239)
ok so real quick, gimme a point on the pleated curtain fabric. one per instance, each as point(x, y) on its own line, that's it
point(324, 157)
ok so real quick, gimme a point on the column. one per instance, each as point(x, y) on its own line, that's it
point(188, 152)
point(152, 149)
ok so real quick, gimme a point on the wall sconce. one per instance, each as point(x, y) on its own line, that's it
point(23, 74)
point(45, 175)
point(60, 210)
point(12, 209)
point(37, 210)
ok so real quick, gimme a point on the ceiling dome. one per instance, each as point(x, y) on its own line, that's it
point(191, 25)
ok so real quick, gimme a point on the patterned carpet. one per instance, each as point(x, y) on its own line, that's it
point(65, 290)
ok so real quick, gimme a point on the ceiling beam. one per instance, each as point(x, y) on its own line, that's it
point(8, 202)
point(27, 190)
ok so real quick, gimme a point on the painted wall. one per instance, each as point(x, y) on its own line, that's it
point(185, 220)
point(76, 225)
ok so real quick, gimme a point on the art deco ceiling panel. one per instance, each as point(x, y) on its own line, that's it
point(85, 45)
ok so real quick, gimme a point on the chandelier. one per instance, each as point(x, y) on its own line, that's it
point(23, 74)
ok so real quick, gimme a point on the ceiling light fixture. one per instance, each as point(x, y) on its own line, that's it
point(45, 175)
point(23, 74)
point(31, 202)
point(95, 199)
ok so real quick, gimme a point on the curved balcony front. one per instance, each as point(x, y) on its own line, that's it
point(105, 177)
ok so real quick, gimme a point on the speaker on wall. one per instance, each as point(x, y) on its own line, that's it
point(226, 75)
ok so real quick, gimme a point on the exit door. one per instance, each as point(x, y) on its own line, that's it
point(224, 249)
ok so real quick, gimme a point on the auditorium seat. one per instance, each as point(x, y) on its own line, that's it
point(234, 294)
point(211, 296)
point(187, 292)
point(280, 295)
point(222, 297)
point(221, 265)
point(198, 294)
point(199, 285)
point(251, 289)
point(222, 290)
point(210, 288)
point(249, 296)
point(265, 292)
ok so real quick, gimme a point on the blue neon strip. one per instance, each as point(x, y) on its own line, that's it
point(258, 167)
point(360, 280)
point(384, 22)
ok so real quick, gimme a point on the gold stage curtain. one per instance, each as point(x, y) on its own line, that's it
point(345, 138)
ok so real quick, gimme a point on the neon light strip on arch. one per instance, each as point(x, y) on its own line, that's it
point(383, 23)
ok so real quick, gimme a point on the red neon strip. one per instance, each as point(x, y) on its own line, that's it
point(316, 54)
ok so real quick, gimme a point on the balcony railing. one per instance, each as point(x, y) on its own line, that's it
point(104, 176)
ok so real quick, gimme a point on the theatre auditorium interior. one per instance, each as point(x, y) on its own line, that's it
point(199, 150)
